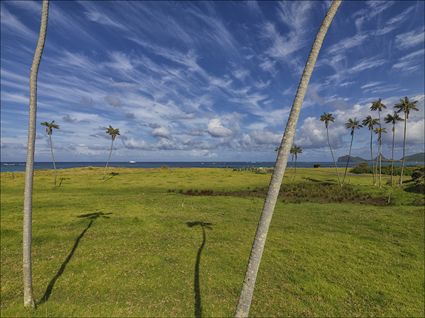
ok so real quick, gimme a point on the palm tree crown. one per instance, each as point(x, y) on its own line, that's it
point(370, 122)
point(379, 132)
point(393, 118)
point(406, 106)
point(327, 118)
point(353, 124)
point(50, 126)
point(377, 105)
point(295, 150)
point(113, 132)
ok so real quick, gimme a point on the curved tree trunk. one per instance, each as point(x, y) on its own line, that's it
point(29, 169)
point(371, 157)
point(333, 157)
point(245, 298)
point(392, 156)
point(349, 156)
point(53, 157)
point(404, 150)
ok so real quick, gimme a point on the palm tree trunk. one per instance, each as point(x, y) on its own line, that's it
point(404, 151)
point(109, 157)
point(245, 298)
point(380, 161)
point(333, 157)
point(53, 157)
point(371, 157)
point(29, 169)
point(349, 156)
point(296, 157)
point(392, 156)
point(378, 157)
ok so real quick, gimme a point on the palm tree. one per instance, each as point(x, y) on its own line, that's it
point(295, 150)
point(392, 119)
point(49, 130)
point(351, 124)
point(329, 118)
point(405, 106)
point(378, 106)
point(379, 131)
point(113, 132)
point(370, 123)
point(245, 298)
point(29, 169)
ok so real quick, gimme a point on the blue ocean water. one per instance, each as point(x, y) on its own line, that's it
point(20, 166)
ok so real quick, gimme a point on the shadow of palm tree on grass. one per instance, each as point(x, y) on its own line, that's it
point(90, 216)
point(196, 283)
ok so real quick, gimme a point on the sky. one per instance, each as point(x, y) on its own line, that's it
point(206, 81)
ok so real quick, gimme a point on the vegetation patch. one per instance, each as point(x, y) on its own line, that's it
point(365, 168)
point(302, 192)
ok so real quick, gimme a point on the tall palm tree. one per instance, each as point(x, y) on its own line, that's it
point(405, 106)
point(245, 298)
point(113, 132)
point(378, 106)
point(29, 168)
point(295, 151)
point(392, 119)
point(49, 130)
point(351, 124)
point(370, 123)
point(328, 118)
point(379, 131)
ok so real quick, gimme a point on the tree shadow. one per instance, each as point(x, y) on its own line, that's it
point(196, 283)
point(110, 176)
point(90, 216)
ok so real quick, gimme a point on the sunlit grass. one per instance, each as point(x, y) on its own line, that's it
point(321, 259)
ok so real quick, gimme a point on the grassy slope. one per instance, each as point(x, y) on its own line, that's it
point(320, 259)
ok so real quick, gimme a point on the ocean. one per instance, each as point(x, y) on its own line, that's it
point(20, 166)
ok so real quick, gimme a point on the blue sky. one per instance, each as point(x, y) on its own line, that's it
point(205, 81)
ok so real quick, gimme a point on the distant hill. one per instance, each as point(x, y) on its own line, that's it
point(417, 157)
point(352, 159)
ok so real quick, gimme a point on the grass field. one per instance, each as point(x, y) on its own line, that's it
point(134, 245)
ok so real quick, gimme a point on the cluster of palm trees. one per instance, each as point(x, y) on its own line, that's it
point(111, 131)
point(374, 125)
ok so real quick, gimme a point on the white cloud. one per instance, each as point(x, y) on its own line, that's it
point(216, 129)
point(161, 132)
point(409, 39)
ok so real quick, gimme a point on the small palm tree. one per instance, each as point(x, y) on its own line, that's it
point(351, 124)
point(113, 132)
point(295, 150)
point(378, 106)
point(328, 118)
point(379, 131)
point(405, 106)
point(370, 123)
point(49, 130)
point(392, 119)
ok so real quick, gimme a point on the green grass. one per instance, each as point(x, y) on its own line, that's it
point(321, 259)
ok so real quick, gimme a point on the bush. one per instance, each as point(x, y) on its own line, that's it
point(316, 165)
point(364, 167)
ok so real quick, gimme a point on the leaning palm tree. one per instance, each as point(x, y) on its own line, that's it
point(379, 131)
point(378, 106)
point(295, 151)
point(370, 123)
point(113, 132)
point(392, 119)
point(257, 249)
point(29, 169)
point(328, 118)
point(351, 124)
point(49, 130)
point(405, 106)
